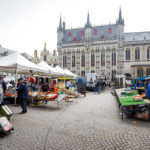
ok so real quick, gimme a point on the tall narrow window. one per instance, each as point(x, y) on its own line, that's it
point(113, 74)
point(73, 61)
point(148, 71)
point(148, 53)
point(103, 59)
point(127, 54)
point(44, 57)
point(140, 72)
point(113, 59)
point(82, 73)
point(83, 60)
point(92, 60)
point(64, 61)
point(137, 54)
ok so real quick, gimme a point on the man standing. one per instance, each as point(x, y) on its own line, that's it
point(45, 87)
point(23, 94)
point(2, 89)
point(68, 84)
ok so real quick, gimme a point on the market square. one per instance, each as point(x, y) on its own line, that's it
point(74, 75)
point(93, 122)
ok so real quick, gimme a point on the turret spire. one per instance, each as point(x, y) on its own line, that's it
point(120, 19)
point(88, 24)
point(60, 23)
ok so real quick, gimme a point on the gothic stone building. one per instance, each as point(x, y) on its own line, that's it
point(105, 50)
point(45, 55)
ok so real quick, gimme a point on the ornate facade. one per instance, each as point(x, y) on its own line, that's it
point(106, 49)
point(45, 55)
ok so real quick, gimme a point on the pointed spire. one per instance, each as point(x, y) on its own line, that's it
point(44, 45)
point(120, 15)
point(88, 19)
point(88, 24)
point(60, 23)
point(120, 19)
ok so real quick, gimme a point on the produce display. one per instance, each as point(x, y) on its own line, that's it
point(43, 95)
point(10, 93)
point(133, 105)
point(68, 92)
point(138, 98)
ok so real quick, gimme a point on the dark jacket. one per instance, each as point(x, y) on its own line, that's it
point(3, 85)
point(23, 90)
point(98, 84)
point(45, 88)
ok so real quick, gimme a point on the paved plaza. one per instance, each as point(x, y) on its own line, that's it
point(91, 123)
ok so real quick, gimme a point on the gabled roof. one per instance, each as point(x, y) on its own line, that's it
point(2, 50)
point(98, 32)
point(136, 36)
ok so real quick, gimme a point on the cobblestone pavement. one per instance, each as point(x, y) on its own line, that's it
point(93, 123)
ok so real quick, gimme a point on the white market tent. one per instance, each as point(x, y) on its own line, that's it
point(60, 70)
point(70, 73)
point(16, 61)
point(47, 67)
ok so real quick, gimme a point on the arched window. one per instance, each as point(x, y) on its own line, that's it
point(45, 58)
point(83, 60)
point(73, 60)
point(92, 59)
point(103, 58)
point(127, 54)
point(148, 53)
point(137, 54)
point(113, 58)
point(140, 72)
point(64, 61)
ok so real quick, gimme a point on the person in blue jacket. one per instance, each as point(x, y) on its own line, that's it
point(139, 85)
point(23, 91)
point(148, 91)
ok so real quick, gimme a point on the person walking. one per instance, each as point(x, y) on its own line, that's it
point(95, 86)
point(98, 86)
point(23, 91)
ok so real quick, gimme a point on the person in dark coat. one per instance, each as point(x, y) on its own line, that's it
point(98, 85)
point(45, 87)
point(3, 83)
point(3, 89)
point(23, 91)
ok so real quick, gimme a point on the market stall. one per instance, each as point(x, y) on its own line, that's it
point(17, 64)
point(132, 104)
point(36, 98)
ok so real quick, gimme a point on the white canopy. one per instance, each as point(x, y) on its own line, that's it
point(48, 68)
point(60, 70)
point(15, 61)
point(70, 73)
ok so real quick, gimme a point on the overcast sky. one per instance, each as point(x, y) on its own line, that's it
point(25, 25)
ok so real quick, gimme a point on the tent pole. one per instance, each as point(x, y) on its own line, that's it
point(16, 74)
point(38, 81)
